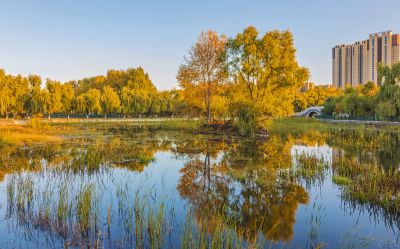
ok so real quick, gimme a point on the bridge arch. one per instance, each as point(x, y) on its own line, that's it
point(312, 111)
point(313, 114)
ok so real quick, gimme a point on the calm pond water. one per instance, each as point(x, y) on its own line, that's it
point(133, 186)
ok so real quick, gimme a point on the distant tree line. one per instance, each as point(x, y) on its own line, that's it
point(315, 96)
point(369, 100)
point(129, 92)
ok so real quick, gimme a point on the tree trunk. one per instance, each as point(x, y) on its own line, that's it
point(208, 105)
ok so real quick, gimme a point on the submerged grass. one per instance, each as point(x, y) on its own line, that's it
point(370, 185)
point(73, 213)
point(84, 208)
point(309, 168)
point(341, 180)
point(219, 232)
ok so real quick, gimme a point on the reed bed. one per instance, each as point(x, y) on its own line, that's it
point(309, 169)
point(219, 232)
point(75, 215)
point(370, 185)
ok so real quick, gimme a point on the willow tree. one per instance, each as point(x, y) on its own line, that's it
point(89, 102)
point(388, 97)
point(38, 99)
point(14, 92)
point(138, 92)
point(68, 97)
point(204, 69)
point(266, 70)
point(6, 100)
point(110, 100)
point(55, 92)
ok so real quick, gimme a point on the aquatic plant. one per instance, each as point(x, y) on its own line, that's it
point(83, 209)
point(310, 168)
point(370, 185)
point(341, 180)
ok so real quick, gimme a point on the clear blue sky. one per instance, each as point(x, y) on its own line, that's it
point(73, 39)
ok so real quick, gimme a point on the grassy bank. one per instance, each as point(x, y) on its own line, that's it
point(33, 131)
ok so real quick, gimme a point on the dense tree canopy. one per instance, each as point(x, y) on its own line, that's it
point(14, 91)
point(369, 100)
point(266, 70)
point(388, 98)
point(355, 102)
point(130, 92)
point(315, 96)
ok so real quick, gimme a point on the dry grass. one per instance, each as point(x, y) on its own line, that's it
point(34, 131)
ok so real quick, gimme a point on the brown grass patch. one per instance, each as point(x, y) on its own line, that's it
point(34, 131)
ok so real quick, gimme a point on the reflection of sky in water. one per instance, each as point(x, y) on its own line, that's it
point(163, 175)
point(323, 152)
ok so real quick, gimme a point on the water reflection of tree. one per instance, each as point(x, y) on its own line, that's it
point(82, 155)
point(370, 146)
point(18, 159)
point(244, 185)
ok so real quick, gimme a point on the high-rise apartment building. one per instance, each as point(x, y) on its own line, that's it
point(357, 63)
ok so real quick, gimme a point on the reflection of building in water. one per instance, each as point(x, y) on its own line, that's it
point(323, 152)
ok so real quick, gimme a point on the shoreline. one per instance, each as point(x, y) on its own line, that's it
point(360, 122)
point(10, 121)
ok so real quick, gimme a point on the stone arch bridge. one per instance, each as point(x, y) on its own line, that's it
point(310, 112)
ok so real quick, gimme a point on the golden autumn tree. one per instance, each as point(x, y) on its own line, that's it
point(204, 70)
point(266, 70)
point(14, 92)
point(55, 93)
point(110, 100)
point(315, 96)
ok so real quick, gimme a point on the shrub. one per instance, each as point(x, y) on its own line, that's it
point(3, 142)
point(247, 119)
point(36, 124)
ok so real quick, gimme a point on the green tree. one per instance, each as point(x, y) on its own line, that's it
point(388, 97)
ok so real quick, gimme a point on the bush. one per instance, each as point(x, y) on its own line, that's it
point(36, 124)
point(3, 142)
point(329, 106)
point(386, 110)
point(247, 119)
